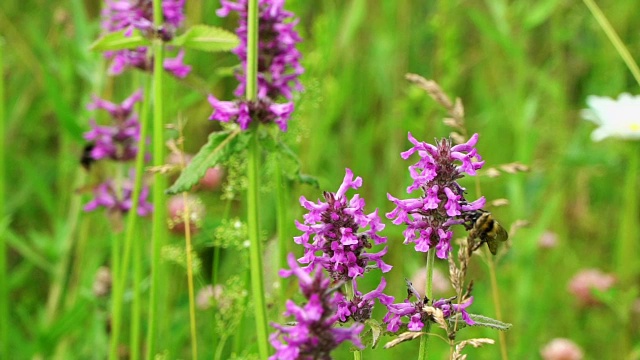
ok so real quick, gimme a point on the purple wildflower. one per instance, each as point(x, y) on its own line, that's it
point(118, 141)
point(130, 15)
point(313, 335)
point(419, 314)
point(332, 235)
point(278, 66)
point(430, 216)
point(278, 59)
point(108, 196)
point(243, 112)
point(360, 307)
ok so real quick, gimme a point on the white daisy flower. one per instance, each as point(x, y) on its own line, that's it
point(615, 118)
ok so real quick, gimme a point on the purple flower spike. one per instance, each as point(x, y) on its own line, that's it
point(429, 217)
point(130, 15)
point(333, 237)
point(313, 336)
point(118, 141)
point(278, 63)
point(106, 195)
point(278, 59)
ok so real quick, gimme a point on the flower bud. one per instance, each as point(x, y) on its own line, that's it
point(176, 208)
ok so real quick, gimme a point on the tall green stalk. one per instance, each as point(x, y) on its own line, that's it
point(159, 222)
point(253, 175)
point(282, 223)
point(428, 293)
point(614, 38)
point(4, 283)
point(131, 226)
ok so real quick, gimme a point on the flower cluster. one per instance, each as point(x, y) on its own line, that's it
point(242, 112)
point(360, 307)
point(118, 142)
point(278, 66)
point(430, 216)
point(332, 235)
point(278, 59)
point(313, 336)
point(130, 15)
point(420, 311)
point(107, 195)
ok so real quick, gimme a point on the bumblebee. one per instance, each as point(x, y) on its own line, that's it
point(86, 160)
point(488, 230)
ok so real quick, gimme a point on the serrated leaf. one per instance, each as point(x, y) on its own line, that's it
point(480, 320)
point(220, 146)
point(119, 41)
point(376, 331)
point(207, 38)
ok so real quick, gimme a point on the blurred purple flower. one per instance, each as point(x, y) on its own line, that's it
point(243, 112)
point(332, 235)
point(130, 15)
point(313, 336)
point(119, 140)
point(430, 216)
point(119, 200)
point(278, 59)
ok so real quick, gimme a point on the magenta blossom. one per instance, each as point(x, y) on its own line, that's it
point(278, 59)
point(119, 200)
point(418, 314)
point(130, 15)
point(333, 236)
point(243, 112)
point(313, 335)
point(360, 307)
point(430, 216)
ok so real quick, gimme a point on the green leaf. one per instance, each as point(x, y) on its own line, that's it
point(207, 38)
point(480, 320)
point(376, 331)
point(119, 41)
point(220, 146)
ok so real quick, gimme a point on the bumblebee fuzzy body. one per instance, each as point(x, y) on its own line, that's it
point(488, 230)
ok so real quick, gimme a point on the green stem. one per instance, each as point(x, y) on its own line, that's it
point(253, 174)
point(282, 223)
point(349, 289)
point(428, 293)
point(131, 224)
point(255, 250)
point(186, 218)
point(614, 38)
point(159, 222)
point(4, 283)
point(214, 273)
point(495, 293)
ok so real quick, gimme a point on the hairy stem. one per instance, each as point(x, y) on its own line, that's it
point(159, 184)
point(253, 174)
point(428, 294)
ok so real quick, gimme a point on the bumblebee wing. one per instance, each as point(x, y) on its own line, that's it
point(493, 245)
point(501, 233)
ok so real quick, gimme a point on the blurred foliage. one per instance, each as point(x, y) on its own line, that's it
point(522, 69)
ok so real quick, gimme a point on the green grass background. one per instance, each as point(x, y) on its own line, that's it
point(522, 68)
